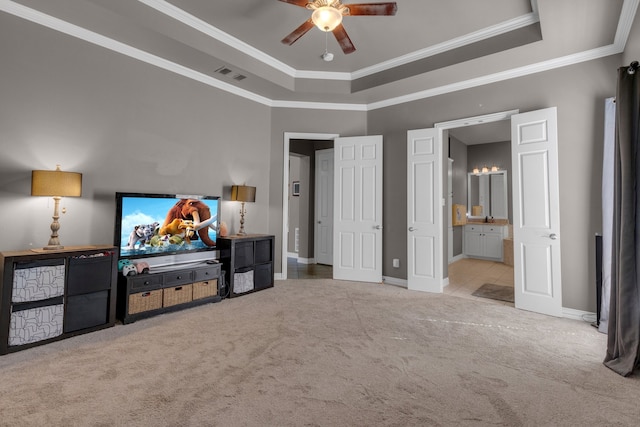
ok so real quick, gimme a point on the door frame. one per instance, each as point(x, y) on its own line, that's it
point(288, 136)
point(440, 128)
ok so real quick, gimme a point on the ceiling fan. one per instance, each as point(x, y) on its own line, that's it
point(327, 16)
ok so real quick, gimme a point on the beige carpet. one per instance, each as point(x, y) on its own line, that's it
point(324, 353)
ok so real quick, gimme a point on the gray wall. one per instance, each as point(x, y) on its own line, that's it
point(294, 202)
point(131, 127)
point(579, 92)
point(127, 126)
point(458, 152)
point(632, 49)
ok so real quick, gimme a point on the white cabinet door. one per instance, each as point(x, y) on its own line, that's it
point(473, 240)
point(492, 247)
point(484, 241)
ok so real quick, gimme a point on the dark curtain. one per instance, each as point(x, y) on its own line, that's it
point(623, 346)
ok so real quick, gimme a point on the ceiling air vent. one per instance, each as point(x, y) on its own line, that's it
point(223, 70)
point(239, 77)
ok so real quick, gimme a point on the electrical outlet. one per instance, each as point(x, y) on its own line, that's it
point(396, 263)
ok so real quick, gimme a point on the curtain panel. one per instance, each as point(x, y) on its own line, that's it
point(623, 340)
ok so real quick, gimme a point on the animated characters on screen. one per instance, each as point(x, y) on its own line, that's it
point(186, 218)
point(187, 215)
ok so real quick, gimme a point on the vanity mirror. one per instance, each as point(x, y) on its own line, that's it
point(487, 195)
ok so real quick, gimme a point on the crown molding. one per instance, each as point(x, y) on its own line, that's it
point(213, 32)
point(625, 22)
point(622, 33)
point(501, 76)
point(485, 33)
point(197, 24)
point(319, 105)
point(132, 52)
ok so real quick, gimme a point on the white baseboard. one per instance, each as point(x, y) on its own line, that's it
point(583, 316)
point(458, 258)
point(295, 256)
point(394, 281)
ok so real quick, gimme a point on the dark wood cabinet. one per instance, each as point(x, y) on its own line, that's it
point(150, 294)
point(49, 295)
point(247, 262)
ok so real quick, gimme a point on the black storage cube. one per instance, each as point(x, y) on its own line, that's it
point(244, 254)
point(89, 274)
point(262, 276)
point(263, 251)
point(86, 311)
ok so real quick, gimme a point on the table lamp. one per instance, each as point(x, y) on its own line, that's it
point(56, 184)
point(243, 193)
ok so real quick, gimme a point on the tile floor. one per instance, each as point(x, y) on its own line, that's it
point(465, 276)
point(296, 270)
point(468, 274)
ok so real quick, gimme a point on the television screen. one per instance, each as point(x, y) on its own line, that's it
point(165, 224)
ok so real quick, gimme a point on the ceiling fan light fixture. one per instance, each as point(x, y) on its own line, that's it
point(326, 18)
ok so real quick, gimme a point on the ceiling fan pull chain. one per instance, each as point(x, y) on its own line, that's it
point(326, 56)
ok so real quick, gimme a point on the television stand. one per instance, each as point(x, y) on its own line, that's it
point(166, 290)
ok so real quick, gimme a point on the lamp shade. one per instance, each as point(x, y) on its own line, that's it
point(243, 193)
point(56, 183)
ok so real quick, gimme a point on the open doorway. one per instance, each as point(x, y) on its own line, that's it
point(300, 235)
point(481, 264)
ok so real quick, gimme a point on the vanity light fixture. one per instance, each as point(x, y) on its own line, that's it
point(494, 168)
point(485, 169)
point(476, 171)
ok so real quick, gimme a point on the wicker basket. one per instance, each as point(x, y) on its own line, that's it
point(145, 301)
point(177, 295)
point(205, 289)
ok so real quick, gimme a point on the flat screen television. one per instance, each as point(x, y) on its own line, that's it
point(165, 224)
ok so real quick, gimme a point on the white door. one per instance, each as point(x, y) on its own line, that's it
point(424, 211)
point(357, 245)
point(449, 209)
point(324, 207)
point(536, 212)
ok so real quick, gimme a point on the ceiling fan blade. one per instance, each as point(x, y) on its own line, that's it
point(343, 39)
point(372, 8)
point(298, 32)
point(301, 3)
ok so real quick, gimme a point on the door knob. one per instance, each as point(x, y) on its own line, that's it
point(412, 229)
point(378, 227)
point(553, 236)
point(319, 222)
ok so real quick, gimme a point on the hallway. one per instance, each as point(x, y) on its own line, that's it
point(468, 274)
point(296, 270)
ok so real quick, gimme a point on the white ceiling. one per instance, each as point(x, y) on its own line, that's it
point(429, 47)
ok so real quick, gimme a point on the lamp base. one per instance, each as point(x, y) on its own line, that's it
point(53, 247)
point(241, 232)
